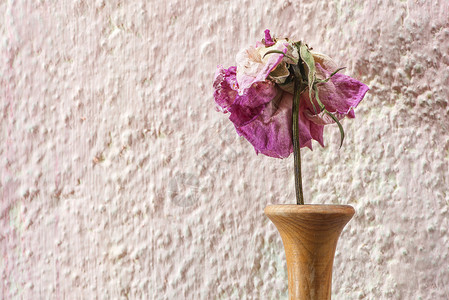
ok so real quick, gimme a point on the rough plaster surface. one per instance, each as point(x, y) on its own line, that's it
point(119, 180)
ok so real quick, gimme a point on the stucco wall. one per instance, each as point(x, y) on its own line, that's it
point(120, 180)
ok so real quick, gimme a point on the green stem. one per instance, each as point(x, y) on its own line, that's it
point(296, 146)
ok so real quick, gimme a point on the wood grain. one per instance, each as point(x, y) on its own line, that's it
point(310, 234)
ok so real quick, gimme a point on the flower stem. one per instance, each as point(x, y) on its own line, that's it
point(296, 146)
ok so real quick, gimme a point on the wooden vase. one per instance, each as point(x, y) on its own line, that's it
point(310, 234)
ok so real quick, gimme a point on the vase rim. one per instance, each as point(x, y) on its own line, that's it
point(310, 208)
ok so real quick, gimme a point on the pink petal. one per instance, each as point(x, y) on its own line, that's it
point(351, 114)
point(271, 132)
point(225, 87)
point(258, 71)
point(317, 133)
point(243, 108)
point(268, 40)
point(250, 105)
point(341, 93)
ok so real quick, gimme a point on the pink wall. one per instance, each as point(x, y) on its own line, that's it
point(119, 180)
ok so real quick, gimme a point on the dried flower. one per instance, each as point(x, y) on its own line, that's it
point(259, 94)
point(259, 101)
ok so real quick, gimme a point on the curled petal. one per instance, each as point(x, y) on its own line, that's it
point(280, 74)
point(268, 40)
point(225, 87)
point(243, 108)
point(253, 67)
point(325, 61)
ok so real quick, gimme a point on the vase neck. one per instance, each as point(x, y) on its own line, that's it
point(310, 234)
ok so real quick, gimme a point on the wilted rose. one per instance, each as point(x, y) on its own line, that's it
point(259, 97)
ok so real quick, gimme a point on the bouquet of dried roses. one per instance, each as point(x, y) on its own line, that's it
point(280, 96)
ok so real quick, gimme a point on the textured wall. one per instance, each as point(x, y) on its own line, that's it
point(119, 180)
